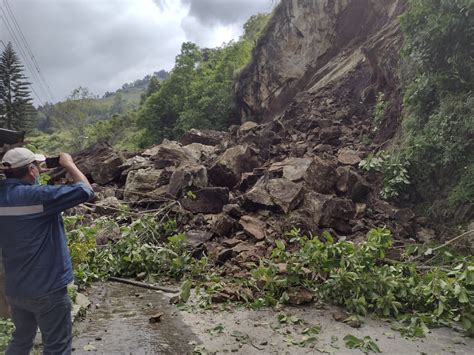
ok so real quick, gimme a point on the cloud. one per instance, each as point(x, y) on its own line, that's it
point(226, 12)
point(103, 44)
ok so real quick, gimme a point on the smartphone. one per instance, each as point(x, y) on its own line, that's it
point(52, 162)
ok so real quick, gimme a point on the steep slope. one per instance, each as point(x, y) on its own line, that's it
point(347, 50)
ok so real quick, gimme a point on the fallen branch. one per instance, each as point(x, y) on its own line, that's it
point(143, 285)
point(451, 241)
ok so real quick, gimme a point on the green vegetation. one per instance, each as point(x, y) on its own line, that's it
point(359, 278)
point(393, 169)
point(84, 119)
point(366, 345)
point(438, 102)
point(16, 110)
point(356, 276)
point(381, 107)
point(141, 246)
point(6, 331)
point(198, 92)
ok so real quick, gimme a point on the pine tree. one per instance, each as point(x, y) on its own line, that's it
point(15, 101)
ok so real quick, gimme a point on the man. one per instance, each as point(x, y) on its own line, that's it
point(35, 255)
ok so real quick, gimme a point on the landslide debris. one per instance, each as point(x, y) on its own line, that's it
point(236, 196)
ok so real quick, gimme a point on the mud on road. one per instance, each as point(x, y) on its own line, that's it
point(117, 322)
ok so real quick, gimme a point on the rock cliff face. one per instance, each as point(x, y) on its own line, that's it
point(315, 47)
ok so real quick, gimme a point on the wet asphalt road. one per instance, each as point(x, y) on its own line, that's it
point(118, 323)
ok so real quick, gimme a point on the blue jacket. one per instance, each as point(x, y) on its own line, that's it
point(32, 237)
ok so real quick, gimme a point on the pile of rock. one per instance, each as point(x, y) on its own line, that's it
point(240, 190)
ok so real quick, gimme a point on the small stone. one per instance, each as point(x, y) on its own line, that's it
point(156, 318)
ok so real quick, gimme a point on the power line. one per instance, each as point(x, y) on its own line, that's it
point(21, 52)
point(18, 41)
point(28, 48)
point(13, 36)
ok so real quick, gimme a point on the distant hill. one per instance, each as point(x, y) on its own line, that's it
point(90, 108)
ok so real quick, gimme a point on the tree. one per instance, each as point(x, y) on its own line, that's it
point(153, 86)
point(438, 100)
point(15, 100)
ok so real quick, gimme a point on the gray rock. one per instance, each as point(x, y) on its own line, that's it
point(280, 194)
point(207, 200)
point(230, 166)
point(352, 184)
point(109, 169)
point(253, 227)
point(196, 238)
point(348, 157)
point(224, 225)
point(337, 213)
point(144, 183)
point(187, 177)
point(168, 153)
point(206, 137)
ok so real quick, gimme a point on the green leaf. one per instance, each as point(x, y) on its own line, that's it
point(185, 291)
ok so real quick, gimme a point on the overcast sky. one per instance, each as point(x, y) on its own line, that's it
point(101, 44)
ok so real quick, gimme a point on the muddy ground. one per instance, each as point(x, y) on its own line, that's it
point(118, 323)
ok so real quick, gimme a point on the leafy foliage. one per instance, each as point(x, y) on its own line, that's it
point(438, 99)
point(142, 246)
point(358, 278)
point(394, 171)
point(381, 107)
point(366, 345)
point(198, 92)
point(6, 331)
point(355, 276)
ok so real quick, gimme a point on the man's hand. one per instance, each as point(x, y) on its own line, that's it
point(65, 160)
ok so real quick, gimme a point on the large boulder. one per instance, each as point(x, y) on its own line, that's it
point(276, 194)
point(168, 153)
point(187, 177)
point(206, 137)
point(206, 200)
point(110, 168)
point(351, 183)
point(99, 161)
point(348, 156)
point(134, 163)
point(319, 175)
point(308, 215)
point(230, 166)
point(253, 227)
point(200, 151)
point(337, 213)
point(143, 184)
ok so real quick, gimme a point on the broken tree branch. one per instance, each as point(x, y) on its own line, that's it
point(143, 285)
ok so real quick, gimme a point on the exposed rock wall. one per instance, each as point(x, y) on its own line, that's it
point(311, 46)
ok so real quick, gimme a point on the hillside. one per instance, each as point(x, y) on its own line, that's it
point(92, 108)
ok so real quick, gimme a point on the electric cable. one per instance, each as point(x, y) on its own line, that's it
point(28, 48)
point(21, 52)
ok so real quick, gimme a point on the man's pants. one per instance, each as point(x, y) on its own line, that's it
point(52, 313)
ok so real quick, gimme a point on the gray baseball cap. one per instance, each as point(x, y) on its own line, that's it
point(18, 157)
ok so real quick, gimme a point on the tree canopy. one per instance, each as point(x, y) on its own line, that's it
point(198, 92)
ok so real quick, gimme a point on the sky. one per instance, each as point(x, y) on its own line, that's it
point(102, 44)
